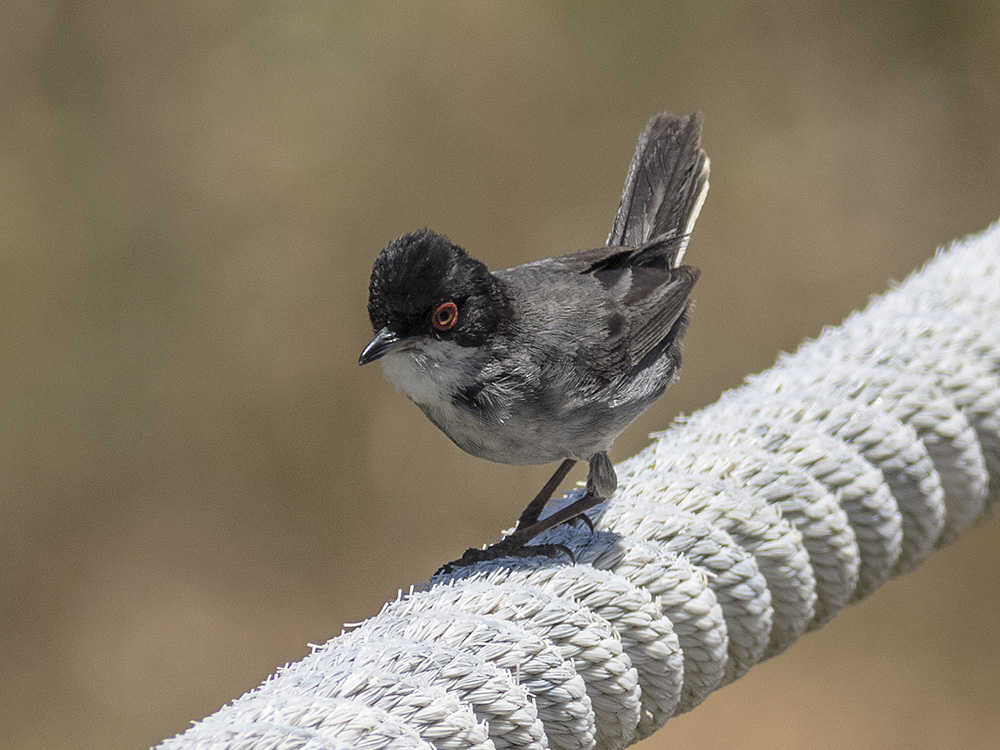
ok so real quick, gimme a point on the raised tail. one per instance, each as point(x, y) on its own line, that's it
point(665, 188)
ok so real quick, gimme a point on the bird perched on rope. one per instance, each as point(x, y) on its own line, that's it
point(553, 359)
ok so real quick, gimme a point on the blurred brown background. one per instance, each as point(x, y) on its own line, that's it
point(198, 479)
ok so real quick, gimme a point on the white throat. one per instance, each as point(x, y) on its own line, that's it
point(432, 372)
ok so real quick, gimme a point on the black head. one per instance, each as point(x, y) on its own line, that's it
point(423, 285)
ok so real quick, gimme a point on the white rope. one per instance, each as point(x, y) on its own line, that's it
point(737, 530)
point(559, 693)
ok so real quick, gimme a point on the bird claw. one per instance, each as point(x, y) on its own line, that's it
point(507, 547)
point(582, 518)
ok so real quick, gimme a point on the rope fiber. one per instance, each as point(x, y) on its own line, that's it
point(737, 530)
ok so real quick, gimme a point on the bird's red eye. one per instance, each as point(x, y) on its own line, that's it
point(445, 316)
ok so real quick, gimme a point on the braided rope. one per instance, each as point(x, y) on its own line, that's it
point(742, 527)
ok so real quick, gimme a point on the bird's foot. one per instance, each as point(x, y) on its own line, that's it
point(511, 546)
point(516, 544)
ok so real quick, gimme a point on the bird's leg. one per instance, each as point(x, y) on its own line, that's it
point(534, 510)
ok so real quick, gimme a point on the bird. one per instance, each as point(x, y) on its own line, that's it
point(550, 360)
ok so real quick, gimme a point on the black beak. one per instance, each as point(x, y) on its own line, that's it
point(385, 342)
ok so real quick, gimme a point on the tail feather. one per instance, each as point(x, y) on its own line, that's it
point(665, 188)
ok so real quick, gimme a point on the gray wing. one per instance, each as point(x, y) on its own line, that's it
point(666, 184)
point(647, 303)
point(641, 302)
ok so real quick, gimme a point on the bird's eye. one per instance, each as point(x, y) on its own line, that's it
point(445, 316)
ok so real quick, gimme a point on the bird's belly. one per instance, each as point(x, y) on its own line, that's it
point(506, 427)
point(522, 439)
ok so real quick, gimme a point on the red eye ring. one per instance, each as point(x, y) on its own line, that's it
point(445, 316)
